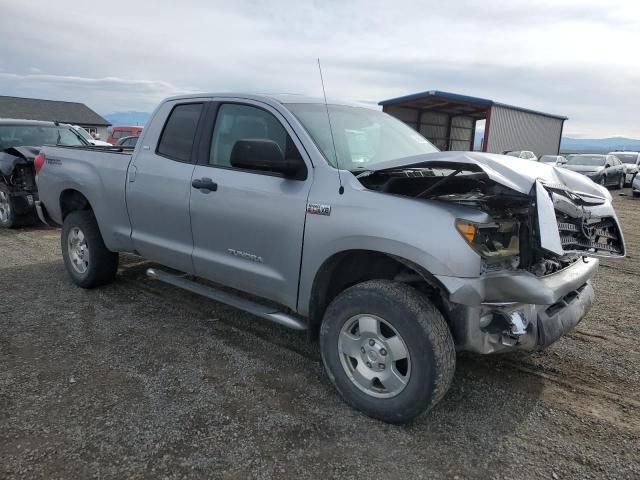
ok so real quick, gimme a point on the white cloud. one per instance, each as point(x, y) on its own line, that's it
point(572, 57)
point(102, 94)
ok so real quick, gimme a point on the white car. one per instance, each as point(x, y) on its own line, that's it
point(630, 162)
point(635, 186)
point(525, 154)
point(87, 136)
point(556, 160)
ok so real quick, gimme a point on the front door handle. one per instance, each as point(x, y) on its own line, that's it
point(131, 173)
point(205, 185)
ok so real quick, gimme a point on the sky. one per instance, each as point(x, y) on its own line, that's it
point(578, 58)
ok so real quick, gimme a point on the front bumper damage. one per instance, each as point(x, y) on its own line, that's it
point(24, 201)
point(508, 311)
point(519, 310)
point(522, 298)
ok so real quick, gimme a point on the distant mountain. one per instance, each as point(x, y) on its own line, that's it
point(595, 145)
point(598, 144)
point(127, 118)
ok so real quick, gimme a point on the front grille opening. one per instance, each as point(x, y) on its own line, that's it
point(599, 235)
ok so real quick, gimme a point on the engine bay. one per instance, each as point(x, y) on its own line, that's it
point(512, 240)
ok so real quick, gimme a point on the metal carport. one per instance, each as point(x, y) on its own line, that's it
point(449, 120)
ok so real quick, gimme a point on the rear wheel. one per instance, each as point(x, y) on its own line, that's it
point(88, 262)
point(387, 350)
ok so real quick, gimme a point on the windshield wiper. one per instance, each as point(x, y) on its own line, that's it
point(362, 172)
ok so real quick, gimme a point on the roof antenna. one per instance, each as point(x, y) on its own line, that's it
point(333, 142)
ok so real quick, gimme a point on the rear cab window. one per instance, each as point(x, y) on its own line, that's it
point(178, 134)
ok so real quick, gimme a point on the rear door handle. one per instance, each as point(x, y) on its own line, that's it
point(205, 185)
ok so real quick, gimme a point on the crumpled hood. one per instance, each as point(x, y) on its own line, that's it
point(13, 156)
point(515, 173)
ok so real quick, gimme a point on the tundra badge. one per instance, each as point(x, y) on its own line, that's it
point(245, 255)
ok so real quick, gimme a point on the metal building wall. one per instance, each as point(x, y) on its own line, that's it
point(461, 135)
point(407, 115)
point(511, 129)
point(436, 128)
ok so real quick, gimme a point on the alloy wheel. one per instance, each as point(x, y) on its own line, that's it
point(374, 356)
point(78, 250)
point(5, 207)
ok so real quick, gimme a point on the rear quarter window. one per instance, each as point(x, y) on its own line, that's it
point(176, 141)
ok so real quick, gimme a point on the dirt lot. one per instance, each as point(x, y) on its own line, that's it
point(139, 379)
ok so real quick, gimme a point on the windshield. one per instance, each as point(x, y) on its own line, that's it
point(362, 137)
point(549, 159)
point(513, 154)
point(37, 135)
point(589, 160)
point(627, 157)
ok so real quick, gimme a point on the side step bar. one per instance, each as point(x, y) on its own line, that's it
point(254, 308)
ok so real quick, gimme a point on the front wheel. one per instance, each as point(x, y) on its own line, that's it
point(387, 350)
point(621, 182)
point(7, 210)
point(88, 262)
point(11, 215)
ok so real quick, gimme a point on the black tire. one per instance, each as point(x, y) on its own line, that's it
point(101, 263)
point(620, 185)
point(9, 216)
point(424, 333)
point(636, 194)
point(603, 181)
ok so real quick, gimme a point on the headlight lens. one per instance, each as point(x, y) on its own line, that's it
point(491, 240)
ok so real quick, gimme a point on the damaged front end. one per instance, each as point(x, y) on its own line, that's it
point(534, 285)
point(17, 174)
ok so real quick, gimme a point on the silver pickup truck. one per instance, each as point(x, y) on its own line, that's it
point(342, 221)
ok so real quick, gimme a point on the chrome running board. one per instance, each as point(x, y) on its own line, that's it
point(249, 306)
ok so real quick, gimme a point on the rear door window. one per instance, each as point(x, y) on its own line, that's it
point(176, 141)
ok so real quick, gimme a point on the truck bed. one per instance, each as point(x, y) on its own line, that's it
point(97, 173)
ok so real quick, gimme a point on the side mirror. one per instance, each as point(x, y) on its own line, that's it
point(264, 156)
point(608, 165)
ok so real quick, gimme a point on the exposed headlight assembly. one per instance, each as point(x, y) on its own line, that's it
point(491, 240)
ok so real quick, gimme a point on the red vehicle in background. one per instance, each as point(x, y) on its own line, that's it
point(120, 131)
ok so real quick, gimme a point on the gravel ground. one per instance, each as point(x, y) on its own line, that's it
point(141, 380)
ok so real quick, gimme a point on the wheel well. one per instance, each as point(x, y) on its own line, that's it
point(351, 267)
point(71, 201)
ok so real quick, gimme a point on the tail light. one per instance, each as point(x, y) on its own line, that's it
point(38, 162)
